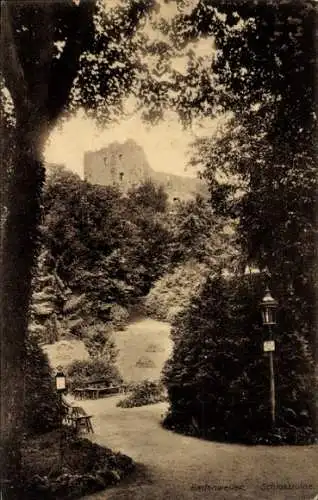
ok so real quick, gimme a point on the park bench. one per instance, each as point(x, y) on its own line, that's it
point(77, 418)
point(96, 389)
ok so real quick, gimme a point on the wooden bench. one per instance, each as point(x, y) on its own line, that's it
point(76, 417)
point(98, 392)
point(95, 390)
point(80, 393)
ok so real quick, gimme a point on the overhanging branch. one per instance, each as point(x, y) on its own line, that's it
point(10, 64)
point(78, 32)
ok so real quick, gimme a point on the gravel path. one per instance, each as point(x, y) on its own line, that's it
point(172, 466)
point(176, 466)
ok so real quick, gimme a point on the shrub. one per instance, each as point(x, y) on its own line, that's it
point(119, 316)
point(144, 393)
point(81, 373)
point(173, 292)
point(41, 411)
point(99, 342)
point(86, 467)
point(145, 362)
point(154, 348)
point(218, 375)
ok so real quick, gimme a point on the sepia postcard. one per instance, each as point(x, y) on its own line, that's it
point(158, 249)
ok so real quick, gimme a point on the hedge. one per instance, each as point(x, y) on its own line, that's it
point(41, 409)
point(218, 375)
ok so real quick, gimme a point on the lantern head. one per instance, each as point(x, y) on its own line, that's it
point(268, 309)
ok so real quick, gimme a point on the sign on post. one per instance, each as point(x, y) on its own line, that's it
point(60, 381)
point(269, 346)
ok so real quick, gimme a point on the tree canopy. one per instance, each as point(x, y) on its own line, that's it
point(42, 47)
point(113, 247)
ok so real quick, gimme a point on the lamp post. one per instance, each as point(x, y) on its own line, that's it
point(268, 309)
point(60, 385)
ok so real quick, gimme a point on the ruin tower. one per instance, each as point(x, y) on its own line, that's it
point(120, 164)
point(125, 165)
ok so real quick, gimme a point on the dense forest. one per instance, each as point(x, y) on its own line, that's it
point(102, 264)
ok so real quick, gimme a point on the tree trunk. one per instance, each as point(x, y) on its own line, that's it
point(19, 243)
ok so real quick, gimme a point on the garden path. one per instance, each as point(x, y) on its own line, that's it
point(181, 467)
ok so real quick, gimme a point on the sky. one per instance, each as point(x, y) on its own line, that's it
point(166, 145)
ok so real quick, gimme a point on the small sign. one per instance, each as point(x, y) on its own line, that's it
point(60, 384)
point(60, 381)
point(269, 346)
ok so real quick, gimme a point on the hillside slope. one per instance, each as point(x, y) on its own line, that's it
point(64, 352)
point(143, 347)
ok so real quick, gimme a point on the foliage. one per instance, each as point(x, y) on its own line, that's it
point(87, 467)
point(84, 237)
point(82, 373)
point(201, 243)
point(274, 200)
point(145, 362)
point(265, 53)
point(119, 316)
point(41, 411)
point(174, 290)
point(264, 67)
point(43, 46)
point(148, 196)
point(193, 223)
point(202, 234)
point(113, 63)
point(113, 247)
point(143, 393)
point(151, 241)
point(99, 343)
point(236, 57)
point(218, 377)
point(149, 249)
point(52, 310)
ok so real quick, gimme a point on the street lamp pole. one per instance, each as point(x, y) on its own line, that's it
point(268, 308)
point(60, 385)
point(272, 383)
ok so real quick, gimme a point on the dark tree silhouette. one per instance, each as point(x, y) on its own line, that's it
point(39, 76)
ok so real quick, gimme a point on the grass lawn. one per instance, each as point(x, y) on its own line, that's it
point(144, 347)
